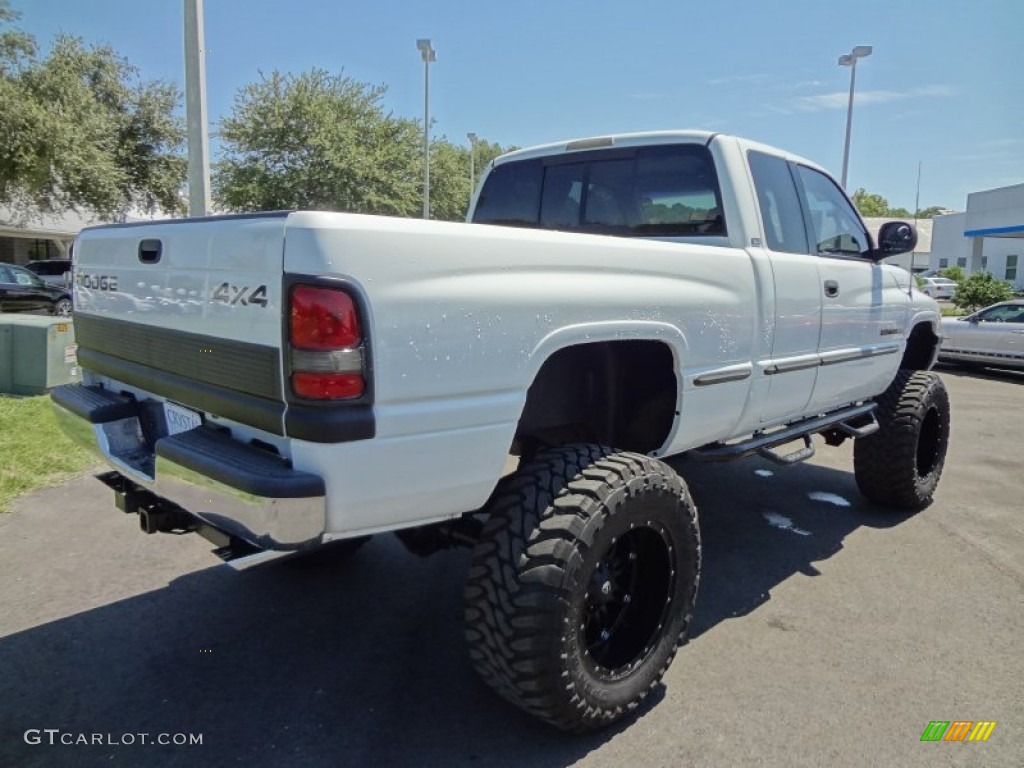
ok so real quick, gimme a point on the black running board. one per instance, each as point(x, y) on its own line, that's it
point(844, 421)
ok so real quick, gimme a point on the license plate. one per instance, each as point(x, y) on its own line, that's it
point(180, 419)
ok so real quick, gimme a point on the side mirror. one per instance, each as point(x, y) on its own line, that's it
point(895, 237)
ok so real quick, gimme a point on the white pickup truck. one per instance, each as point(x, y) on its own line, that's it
point(280, 381)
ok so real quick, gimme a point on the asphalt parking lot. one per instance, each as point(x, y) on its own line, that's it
point(828, 632)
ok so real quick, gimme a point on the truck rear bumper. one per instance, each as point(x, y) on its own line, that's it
point(246, 492)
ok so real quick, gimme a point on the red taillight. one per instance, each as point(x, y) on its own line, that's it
point(327, 360)
point(323, 318)
point(328, 386)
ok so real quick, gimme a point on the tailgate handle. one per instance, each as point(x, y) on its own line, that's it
point(150, 251)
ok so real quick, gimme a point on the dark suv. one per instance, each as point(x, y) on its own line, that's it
point(22, 291)
point(52, 271)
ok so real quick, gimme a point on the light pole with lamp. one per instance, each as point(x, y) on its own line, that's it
point(429, 54)
point(472, 166)
point(850, 60)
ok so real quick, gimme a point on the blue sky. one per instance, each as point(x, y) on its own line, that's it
point(943, 86)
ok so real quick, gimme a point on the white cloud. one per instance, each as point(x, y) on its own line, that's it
point(839, 99)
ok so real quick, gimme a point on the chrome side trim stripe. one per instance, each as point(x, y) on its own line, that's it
point(833, 357)
point(723, 375)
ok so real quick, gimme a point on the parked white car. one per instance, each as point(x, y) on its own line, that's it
point(938, 287)
point(992, 336)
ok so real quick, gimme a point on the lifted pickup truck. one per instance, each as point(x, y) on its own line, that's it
point(279, 381)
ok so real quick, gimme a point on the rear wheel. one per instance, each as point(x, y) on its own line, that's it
point(900, 465)
point(582, 584)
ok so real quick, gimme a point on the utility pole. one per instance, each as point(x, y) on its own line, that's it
point(199, 193)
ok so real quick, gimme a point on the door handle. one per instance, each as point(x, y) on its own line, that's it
point(831, 288)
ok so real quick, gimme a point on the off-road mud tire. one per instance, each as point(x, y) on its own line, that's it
point(582, 541)
point(899, 466)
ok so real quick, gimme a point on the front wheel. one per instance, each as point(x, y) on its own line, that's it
point(899, 465)
point(62, 308)
point(582, 584)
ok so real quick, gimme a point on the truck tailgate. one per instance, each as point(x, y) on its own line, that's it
point(189, 310)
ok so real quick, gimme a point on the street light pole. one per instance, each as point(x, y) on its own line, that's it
point(428, 54)
point(472, 164)
point(850, 60)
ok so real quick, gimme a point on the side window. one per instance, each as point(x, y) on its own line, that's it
point(676, 192)
point(1008, 313)
point(511, 195)
point(561, 197)
point(5, 275)
point(25, 277)
point(780, 205)
point(610, 194)
point(837, 228)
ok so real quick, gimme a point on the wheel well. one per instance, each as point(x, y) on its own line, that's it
point(922, 348)
point(617, 393)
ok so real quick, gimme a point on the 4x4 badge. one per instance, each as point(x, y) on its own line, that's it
point(240, 294)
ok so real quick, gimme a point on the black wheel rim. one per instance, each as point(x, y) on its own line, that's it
point(928, 443)
point(628, 601)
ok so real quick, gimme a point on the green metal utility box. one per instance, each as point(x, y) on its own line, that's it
point(36, 354)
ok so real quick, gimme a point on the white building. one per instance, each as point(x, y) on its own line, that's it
point(45, 236)
point(988, 236)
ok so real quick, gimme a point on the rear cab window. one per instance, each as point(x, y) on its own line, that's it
point(657, 191)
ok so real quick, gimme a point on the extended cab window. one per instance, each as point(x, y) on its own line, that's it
point(649, 191)
point(779, 203)
point(836, 226)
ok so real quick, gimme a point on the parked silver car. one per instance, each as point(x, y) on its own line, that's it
point(938, 287)
point(991, 336)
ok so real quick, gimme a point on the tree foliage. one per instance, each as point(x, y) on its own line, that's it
point(316, 140)
point(874, 205)
point(324, 141)
point(79, 130)
point(979, 289)
point(954, 273)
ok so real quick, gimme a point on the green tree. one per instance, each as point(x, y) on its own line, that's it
point(80, 131)
point(449, 181)
point(979, 289)
point(323, 141)
point(954, 273)
point(317, 140)
point(870, 204)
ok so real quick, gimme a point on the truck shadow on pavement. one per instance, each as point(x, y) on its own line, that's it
point(362, 662)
